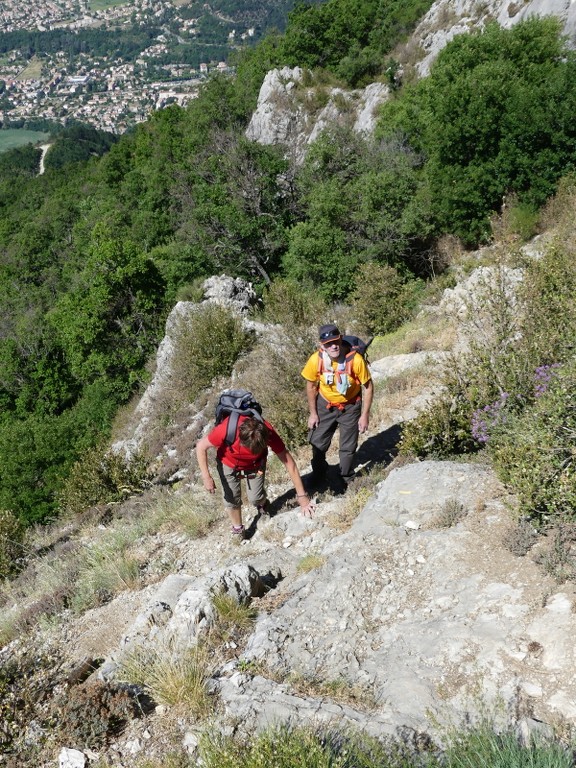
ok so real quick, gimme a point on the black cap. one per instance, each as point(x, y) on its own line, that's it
point(328, 333)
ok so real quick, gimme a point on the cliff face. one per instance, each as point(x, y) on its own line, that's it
point(288, 113)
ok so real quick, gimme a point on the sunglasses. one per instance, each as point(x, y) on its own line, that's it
point(329, 337)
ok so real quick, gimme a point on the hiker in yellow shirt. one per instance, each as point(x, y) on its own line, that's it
point(339, 389)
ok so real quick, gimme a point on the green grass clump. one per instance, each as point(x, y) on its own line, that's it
point(232, 616)
point(310, 562)
point(485, 748)
point(285, 747)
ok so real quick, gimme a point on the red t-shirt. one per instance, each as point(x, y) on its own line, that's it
point(236, 455)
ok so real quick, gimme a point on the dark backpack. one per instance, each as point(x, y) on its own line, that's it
point(356, 344)
point(235, 403)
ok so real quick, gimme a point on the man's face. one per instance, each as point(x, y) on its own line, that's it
point(333, 348)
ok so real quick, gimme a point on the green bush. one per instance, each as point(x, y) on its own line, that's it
point(514, 335)
point(101, 476)
point(534, 452)
point(441, 430)
point(292, 304)
point(547, 294)
point(207, 345)
point(286, 747)
point(11, 540)
point(381, 298)
point(491, 119)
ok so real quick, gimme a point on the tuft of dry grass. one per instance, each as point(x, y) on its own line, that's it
point(433, 333)
point(194, 513)
point(521, 538)
point(450, 514)
point(339, 690)
point(343, 518)
point(173, 676)
point(310, 562)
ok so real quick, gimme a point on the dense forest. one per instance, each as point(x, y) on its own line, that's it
point(94, 252)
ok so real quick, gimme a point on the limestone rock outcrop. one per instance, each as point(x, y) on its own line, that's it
point(288, 113)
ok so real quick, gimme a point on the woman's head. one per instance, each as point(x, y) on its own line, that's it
point(253, 435)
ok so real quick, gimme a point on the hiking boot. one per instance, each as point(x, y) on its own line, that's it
point(341, 483)
point(238, 534)
point(319, 463)
point(317, 480)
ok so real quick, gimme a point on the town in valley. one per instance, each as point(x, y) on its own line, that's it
point(62, 66)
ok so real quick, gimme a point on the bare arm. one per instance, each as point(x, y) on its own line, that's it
point(306, 506)
point(202, 447)
point(367, 397)
point(312, 395)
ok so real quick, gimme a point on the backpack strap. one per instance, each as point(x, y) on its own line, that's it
point(232, 427)
point(349, 361)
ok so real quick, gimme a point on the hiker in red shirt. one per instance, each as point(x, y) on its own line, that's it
point(245, 458)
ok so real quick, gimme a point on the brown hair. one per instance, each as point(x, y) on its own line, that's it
point(253, 435)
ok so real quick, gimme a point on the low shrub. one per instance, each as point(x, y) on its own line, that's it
point(534, 452)
point(102, 476)
point(27, 680)
point(442, 429)
point(207, 344)
point(90, 714)
point(559, 558)
point(11, 542)
point(286, 747)
point(521, 538)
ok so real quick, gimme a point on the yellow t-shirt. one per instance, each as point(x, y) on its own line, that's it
point(313, 371)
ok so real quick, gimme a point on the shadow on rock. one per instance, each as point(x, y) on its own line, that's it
point(381, 448)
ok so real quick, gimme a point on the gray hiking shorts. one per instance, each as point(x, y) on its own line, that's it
point(231, 480)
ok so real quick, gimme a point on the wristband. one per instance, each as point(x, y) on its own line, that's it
point(301, 495)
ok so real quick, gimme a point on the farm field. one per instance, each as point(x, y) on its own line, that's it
point(17, 137)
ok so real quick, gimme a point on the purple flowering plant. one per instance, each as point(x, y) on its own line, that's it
point(486, 418)
point(542, 378)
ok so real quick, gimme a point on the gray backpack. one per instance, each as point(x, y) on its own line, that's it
point(235, 403)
